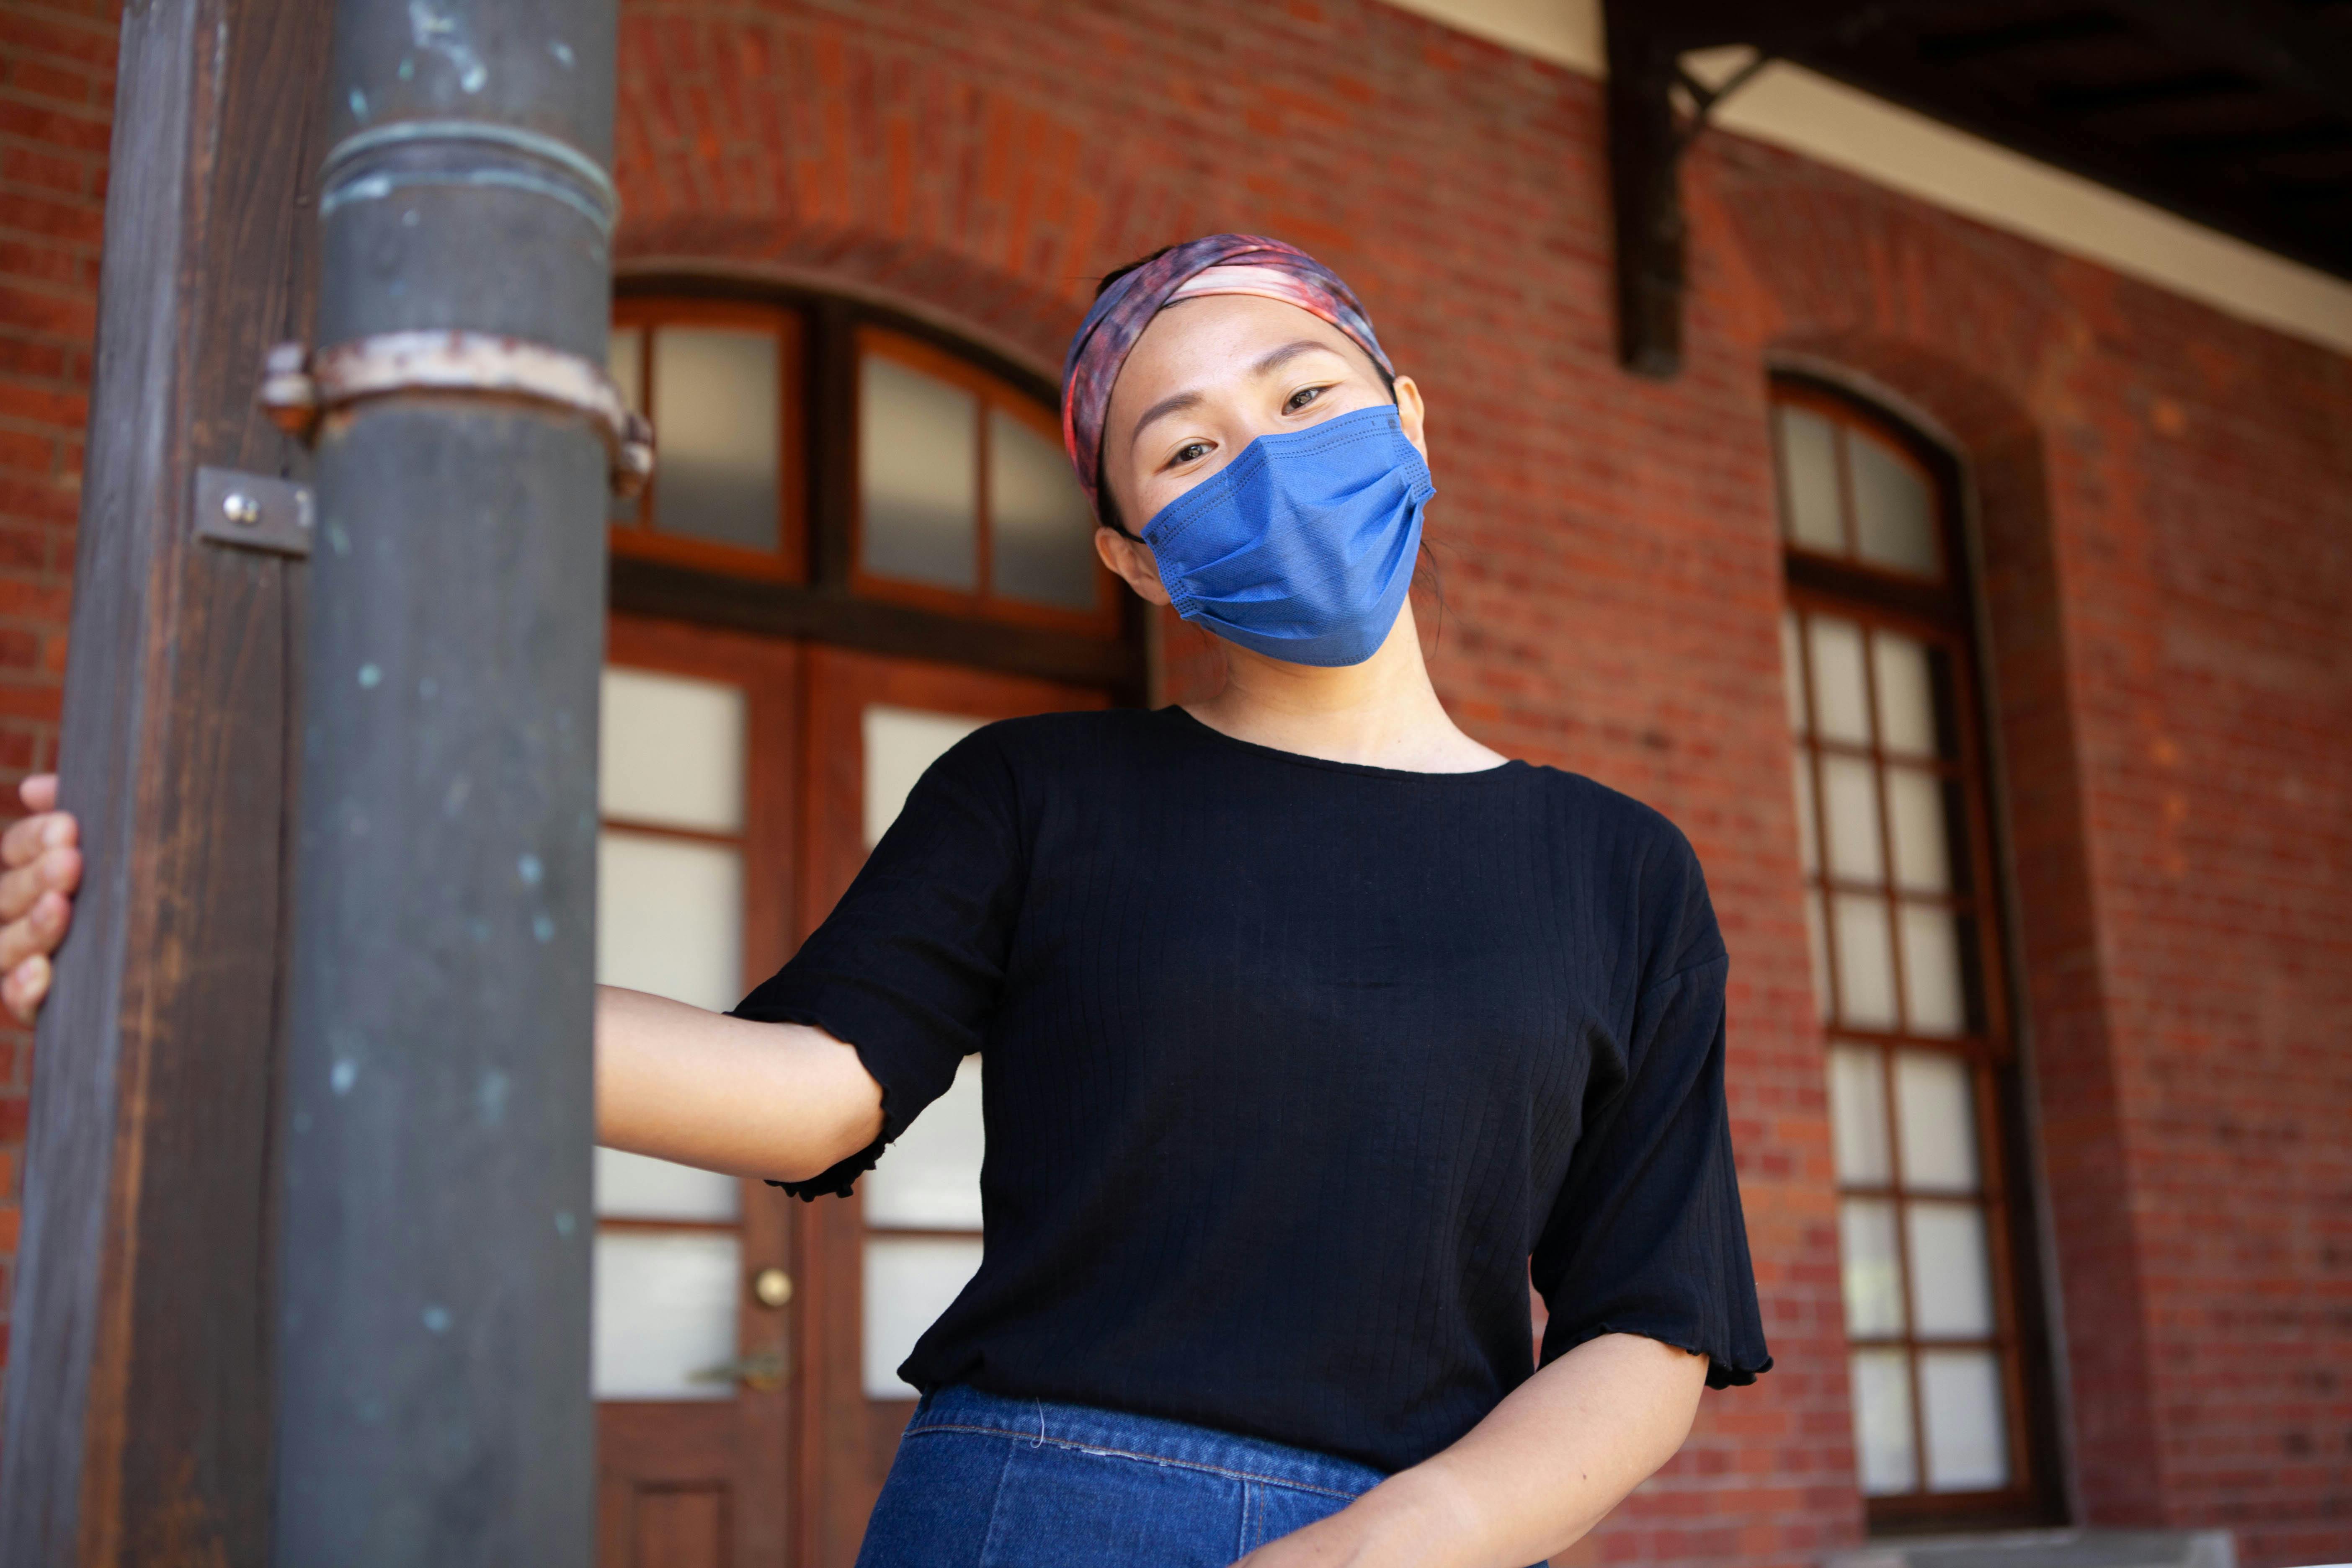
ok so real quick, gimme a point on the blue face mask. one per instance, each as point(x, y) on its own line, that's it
point(1302, 547)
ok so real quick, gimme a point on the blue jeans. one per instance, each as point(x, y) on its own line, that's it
point(981, 1481)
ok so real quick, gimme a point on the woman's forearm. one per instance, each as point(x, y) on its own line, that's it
point(727, 1094)
point(1543, 1468)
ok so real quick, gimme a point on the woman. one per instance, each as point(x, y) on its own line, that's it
point(1313, 1029)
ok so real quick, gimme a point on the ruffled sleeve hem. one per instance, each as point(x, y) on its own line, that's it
point(835, 1181)
point(884, 1045)
point(1727, 1366)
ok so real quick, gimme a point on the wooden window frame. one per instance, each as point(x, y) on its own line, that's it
point(1939, 613)
point(635, 534)
point(991, 394)
point(812, 597)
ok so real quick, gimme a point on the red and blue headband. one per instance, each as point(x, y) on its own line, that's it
point(1218, 264)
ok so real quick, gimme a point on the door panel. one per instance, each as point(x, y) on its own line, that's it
point(880, 1267)
point(693, 1369)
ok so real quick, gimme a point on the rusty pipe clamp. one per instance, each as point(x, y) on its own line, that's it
point(299, 388)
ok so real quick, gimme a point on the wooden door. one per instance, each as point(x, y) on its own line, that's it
point(877, 1268)
point(694, 1369)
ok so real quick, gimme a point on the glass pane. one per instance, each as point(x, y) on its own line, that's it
point(919, 476)
point(670, 750)
point(1792, 674)
point(1040, 535)
point(624, 362)
point(1894, 514)
point(1866, 963)
point(670, 918)
point(909, 1281)
point(900, 742)
point(929, 1179)
point(717, 390)
point(1808, 843)
point(1906, 695)
point(1935, 1112)
point(1931, 970)
point(1841, 701)
point(1873, 1267)
point(1816, 928)
point(1952, 1277)
point(1967, 1439)
point(1809, 472)
point(663, 1309)
point(1858, 1115)
point(1881, 1422)
point(635, 1186)
point(1850, 797)
point(1915, 810)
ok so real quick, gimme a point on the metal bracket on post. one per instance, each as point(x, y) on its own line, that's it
point(253, 511)
point(299, 388)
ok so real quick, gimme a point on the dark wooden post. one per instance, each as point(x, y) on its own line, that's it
point(433, 1403)
point(138, 1387)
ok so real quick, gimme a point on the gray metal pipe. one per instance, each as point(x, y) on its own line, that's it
point(433, 1403)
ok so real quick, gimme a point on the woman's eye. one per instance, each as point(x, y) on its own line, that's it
point(1301, 398)
point(1191, 451)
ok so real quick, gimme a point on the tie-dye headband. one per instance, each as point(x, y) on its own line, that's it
point(1218, 264)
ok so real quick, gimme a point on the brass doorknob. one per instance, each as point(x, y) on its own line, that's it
point(771, 1287)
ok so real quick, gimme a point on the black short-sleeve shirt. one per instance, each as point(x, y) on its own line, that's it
point(1293, 1070)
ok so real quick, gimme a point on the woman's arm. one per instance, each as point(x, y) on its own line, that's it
point(727, 1094)
point(1544, 1466)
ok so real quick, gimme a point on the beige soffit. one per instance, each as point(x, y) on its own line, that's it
point(1834, 124)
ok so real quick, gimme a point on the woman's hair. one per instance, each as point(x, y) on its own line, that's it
point(1106, 505)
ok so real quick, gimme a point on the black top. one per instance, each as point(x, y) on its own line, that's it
point(1288, 1067)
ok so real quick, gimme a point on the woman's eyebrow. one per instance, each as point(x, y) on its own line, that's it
point(1176, 404)
point(1275, 360)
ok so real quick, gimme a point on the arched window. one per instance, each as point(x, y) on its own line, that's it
point(866, 457)
point(1895, 835)
point(861, 543)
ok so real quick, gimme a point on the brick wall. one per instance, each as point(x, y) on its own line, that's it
point(2167, 507)
point(56, 95)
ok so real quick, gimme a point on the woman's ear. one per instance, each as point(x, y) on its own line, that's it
point(1131, 560)
point(1409, 413)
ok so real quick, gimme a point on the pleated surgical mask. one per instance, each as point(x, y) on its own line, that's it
point(1302, 547)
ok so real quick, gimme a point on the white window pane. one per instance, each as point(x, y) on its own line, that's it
point(1871, 1267)
point(1881, 1422)
point(717, 392)
point(1808, 842)
point(664, 1310)
point(624, 362)
point(1894, 513)
point(900, 742)
point(1792, 671)
point(1040, 533)
point(1931, 970)
point(919, 476)
point(670, 918)
point(1809, 475)
point(1816, 928)
point(1906, 695)
point(929, 1179)
point(1841, 700)
point(1866, 963)
point(1850, 798)
point(1935, 1111)
point(638, 1186)
point(909, 1281)
point(1968, 1437)
point(1858, 1115)
point(670, 750)
point(1914, 811)
point(1951, 1275)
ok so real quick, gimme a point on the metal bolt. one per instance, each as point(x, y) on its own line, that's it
point(240, 509)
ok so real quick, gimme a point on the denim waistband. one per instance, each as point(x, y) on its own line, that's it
point(958, 1408)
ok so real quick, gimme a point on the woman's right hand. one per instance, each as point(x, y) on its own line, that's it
point(42, 857)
